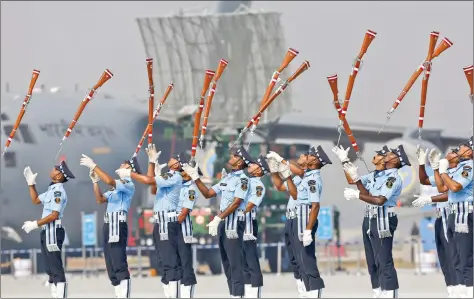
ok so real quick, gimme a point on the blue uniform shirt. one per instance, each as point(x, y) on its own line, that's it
point(291, 202)
point(168, 191)
point(390, 187)
point(462, 175)
point(120, 197)
point(54, 199)
point(441, 205)
point(233, 185)
point(373, 181)
point(187, 196)
point(310, 188)
point(257, 191)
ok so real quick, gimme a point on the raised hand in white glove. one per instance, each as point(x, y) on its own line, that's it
point(191, 171)
point(213, 225)
point(124, 173)
point(421, 201)
point(341, 153)
point(153, 155)
point(87, 162)
point(28, 226)
point(223, 173)
point(94, 177)
point(275, 156)
point(421, 155)
point(307, 239)
point(159, 168)
point(434, 157)
point(350, 194)
point(351, 170)
point(284, 170)
point(443, 166)
point(273, 165)
point(30, 176)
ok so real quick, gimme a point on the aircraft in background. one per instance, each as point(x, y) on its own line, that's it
point(108, 132)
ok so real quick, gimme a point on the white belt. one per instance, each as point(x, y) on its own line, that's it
point(454, 207)
point(170, 216)
point(373, 212)
point(57, 223)
point(121, 218)
point(291, 214)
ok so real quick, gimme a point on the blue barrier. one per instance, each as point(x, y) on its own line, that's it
point(198, 246)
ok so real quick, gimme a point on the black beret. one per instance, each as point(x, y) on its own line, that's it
point(263, 164)
point(383, 151)
point(241, 152)
point(400, 152)
point(133, 162)
point(320, 154)
point(185, 158)
point(65, 171)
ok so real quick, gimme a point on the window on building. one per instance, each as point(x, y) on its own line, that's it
point(9, 159)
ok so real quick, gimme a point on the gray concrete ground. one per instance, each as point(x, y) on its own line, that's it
point(276, 286)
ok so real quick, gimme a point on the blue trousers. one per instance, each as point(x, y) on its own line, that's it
point(231, 251)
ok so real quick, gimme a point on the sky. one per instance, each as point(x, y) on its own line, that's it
point(73, 42)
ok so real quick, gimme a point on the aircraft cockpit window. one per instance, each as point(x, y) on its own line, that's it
point(9, 159)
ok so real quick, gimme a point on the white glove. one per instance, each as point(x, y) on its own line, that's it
point(434, 157)
point(307, 239)
point(28, 226)
point(275, 156)
point(87, 162)
point(421, 155)
point(284, 170)
point(94, 177)
point(191, 171)
point(124, 173)
point(213, 226)
point(421, 201)
point(153, 156)
point(159, 168)
point(351, 170)
point(351, 193)
point(273, 164)
point(223, 173)
point(443, 166)
point(29, 176)
point(341, 153)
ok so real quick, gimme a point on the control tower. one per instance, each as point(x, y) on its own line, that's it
point(185, 44)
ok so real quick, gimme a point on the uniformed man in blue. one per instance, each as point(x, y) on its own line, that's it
point(253, 278)
point(383, 220)
point(115, 229)
point(460, 199)
point(233, 188)
point(187, 198)
point(167, 187)
point(370, 180)
point(449, 262)
point(298, 169)
point(308, 196)
point(54, 202)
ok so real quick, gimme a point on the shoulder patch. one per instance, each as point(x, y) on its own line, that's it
point(390, 182)
point(223, 184)
point(467, 167)
point(57, 200)
point(57, 193)
point(124, 181)
point(244, 184)
point(112, 189)
point(311, 183)
point(259, 191)
point(165, 176)
point(192, 195)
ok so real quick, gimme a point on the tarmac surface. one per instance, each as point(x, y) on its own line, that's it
point(275, 286)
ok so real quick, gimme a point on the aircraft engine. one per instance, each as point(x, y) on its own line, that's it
point(409, 174)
